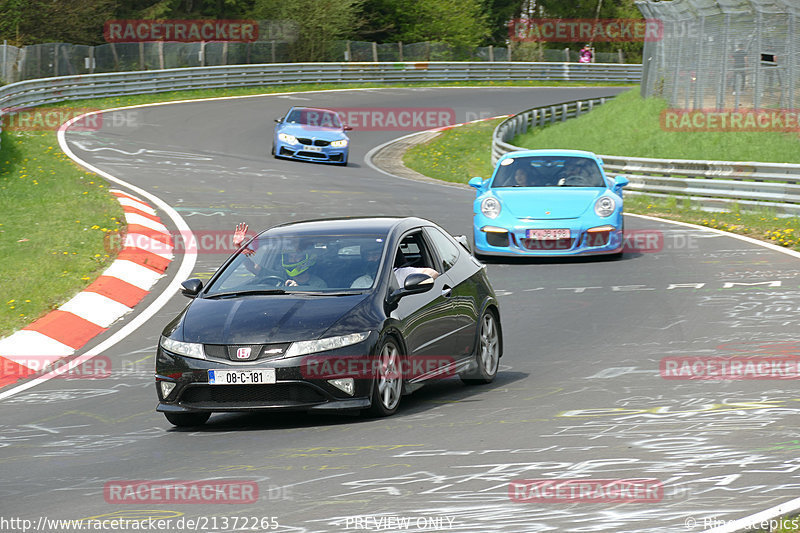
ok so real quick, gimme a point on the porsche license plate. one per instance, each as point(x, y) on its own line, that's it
point(547, 234)
point(251, 376)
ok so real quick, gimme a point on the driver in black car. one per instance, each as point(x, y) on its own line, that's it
point(295, 260)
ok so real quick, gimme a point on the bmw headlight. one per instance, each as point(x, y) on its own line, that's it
point(490, 207)
point(285, 137)
point(189, 349)
point(322, 345)
point(341, 143)
point(604, 206)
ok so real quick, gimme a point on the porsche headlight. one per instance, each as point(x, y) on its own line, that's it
point(490, 207)
point(341, 143)
point(604, 206)
point(322, 345)
point(189, 349)
point(285, 137)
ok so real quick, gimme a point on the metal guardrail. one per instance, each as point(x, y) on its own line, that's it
point(52, 90)
point(714, 185)
point(536, 118)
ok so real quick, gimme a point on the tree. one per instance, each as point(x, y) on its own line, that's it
point(498, 14)
point(318, 23)
point(41, 21)
point(455, 22)
point(588, 9)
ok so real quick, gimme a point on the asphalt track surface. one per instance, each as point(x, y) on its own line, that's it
point(579, 393)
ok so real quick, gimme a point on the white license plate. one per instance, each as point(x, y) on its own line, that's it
point(547, 234)
point(312, 148)
point(251, 376)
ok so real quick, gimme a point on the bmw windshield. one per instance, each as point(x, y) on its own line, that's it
point(314, 117)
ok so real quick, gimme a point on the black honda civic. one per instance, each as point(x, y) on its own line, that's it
point(330, 315)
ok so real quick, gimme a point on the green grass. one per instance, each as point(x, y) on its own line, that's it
point(630, 125)
point(55, 215)
point(457, 155)
point(55, 218)
point(762, 225)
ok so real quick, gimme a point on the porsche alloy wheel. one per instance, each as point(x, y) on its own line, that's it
point(388, 379)
point(488, 357)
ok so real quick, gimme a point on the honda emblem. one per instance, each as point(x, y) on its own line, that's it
point(243, 353)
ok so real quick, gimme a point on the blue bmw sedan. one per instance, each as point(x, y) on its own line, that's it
point(311, 134)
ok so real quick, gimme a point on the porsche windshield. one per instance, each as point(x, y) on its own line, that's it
point(548, 171)
point(305, 263)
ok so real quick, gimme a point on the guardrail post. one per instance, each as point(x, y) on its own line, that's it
point(563, 112)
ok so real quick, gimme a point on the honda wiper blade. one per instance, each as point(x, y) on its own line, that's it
point(246, 293)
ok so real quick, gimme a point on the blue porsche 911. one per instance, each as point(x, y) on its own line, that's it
point(311, 134)
point(548, 202)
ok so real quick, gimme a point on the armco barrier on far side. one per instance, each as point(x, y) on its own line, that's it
point(714, 185)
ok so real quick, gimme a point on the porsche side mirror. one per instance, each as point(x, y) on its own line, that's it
point(191, 287)
point(476, 182)
point(278, 120)
point(347, 128)
point(621, 181)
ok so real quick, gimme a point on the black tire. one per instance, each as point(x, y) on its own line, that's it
point(487, 352)
point(183, 420)
point(388, 381)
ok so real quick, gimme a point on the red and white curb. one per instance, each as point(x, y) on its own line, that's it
point(124, 284)
point(451, 126)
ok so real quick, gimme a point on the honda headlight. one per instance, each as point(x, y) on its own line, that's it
point(189, 349)
point(604, 206)
point(339, 144)
point(285, 137)
point(490, 207)
point(322, 345)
